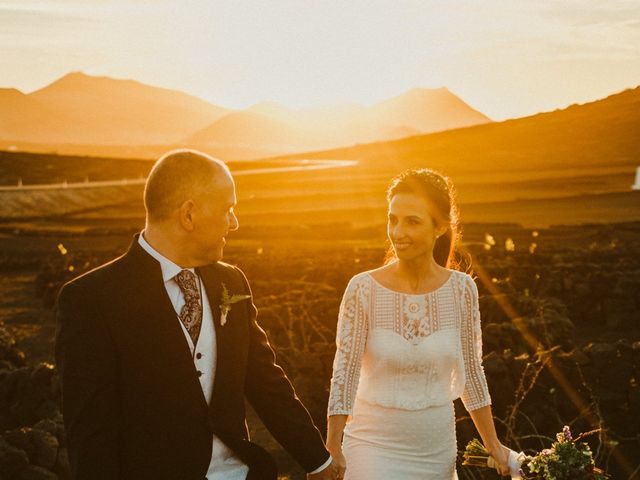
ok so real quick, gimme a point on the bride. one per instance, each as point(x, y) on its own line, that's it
point(409, 343)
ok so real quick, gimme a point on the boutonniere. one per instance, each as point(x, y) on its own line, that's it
point(226, 301)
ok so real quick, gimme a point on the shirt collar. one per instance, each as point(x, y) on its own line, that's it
point(169, 269)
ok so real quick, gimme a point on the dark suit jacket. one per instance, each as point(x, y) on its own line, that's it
point(132, 402)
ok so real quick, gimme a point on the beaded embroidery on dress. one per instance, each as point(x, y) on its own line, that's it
point(402, 359)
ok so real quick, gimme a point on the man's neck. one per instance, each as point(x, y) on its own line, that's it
point(163, 243)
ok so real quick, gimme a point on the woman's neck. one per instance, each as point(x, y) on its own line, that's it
point(418, 272)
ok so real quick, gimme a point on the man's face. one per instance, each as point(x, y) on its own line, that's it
point(214, 218)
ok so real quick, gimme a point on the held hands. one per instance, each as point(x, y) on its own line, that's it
point(339, 464)
point(335, 471)
point(326, 474)
point(332, 472)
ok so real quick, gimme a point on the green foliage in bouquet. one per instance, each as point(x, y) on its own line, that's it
point(567, 459)
point(475, 455)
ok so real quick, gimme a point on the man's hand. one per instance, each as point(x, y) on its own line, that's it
point(332, 472)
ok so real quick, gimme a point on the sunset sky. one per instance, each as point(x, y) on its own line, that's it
point(505, 58)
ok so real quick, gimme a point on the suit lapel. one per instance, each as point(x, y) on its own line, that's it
point(165, 334)
point(212, 277)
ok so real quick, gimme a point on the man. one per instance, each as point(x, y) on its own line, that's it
point(159, 348)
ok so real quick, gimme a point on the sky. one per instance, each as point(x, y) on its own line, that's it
point(507, 58)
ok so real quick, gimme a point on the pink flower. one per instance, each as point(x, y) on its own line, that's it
point(567, 433)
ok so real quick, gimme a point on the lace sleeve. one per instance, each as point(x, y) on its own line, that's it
point(351, 336)
point(476, 392)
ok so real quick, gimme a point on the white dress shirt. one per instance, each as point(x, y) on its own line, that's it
point(224, 464)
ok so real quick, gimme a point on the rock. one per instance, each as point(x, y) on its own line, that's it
point(12, 461)
point(603, 355)
point(635, 358)
point(491, 338)
point(47, 409)
point(8, 350)
point(63, 468)
point(45, 448)
point(33, 472)
point(518, 366)
point(6, 365)
point(579, 357)
point(47, 426)
point(634, 408)
point(551, 327)
point(500, 384)
point(19, 438)
point(41, 375)
point(59, 428)
point(29, 396)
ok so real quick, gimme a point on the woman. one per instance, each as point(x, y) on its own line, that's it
point(409, 343)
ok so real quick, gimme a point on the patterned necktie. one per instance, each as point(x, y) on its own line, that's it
point(191, 312)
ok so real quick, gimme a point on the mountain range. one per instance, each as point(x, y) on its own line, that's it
point(599, 134)
point(84, 114)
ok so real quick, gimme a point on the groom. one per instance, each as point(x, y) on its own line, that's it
point(159, 348)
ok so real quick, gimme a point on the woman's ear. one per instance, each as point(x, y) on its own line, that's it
point(441, 230)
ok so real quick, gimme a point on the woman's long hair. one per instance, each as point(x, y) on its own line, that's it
point(439, 192)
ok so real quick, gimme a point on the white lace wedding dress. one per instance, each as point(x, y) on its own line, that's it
point(401, 361)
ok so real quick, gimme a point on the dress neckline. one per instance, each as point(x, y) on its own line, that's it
point(430, 292)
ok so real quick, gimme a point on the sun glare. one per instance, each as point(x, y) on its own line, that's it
point(504, 60)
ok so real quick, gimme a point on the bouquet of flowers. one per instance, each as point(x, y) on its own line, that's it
point(567, 459)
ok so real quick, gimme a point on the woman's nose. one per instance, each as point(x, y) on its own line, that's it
point(396, 230)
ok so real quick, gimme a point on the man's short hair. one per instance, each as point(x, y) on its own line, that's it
point(176, 177)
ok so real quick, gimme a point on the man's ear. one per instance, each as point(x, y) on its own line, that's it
point(186, 214)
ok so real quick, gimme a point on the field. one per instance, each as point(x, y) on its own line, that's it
point(353, 195)
point(569, 281)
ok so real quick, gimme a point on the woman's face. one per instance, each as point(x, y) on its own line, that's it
point(410, 226)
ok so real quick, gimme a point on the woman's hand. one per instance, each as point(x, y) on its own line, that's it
point(500, 455)
point(339, 463)
point(483, 420)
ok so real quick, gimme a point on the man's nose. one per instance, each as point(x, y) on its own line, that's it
point(233, 222)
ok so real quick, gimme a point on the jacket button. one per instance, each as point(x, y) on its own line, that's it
point(198, 355)
point(199, 373)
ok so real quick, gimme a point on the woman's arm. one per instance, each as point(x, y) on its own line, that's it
point(476, 396)
point(335, 430)
point(483, 420)
point(351, 335)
